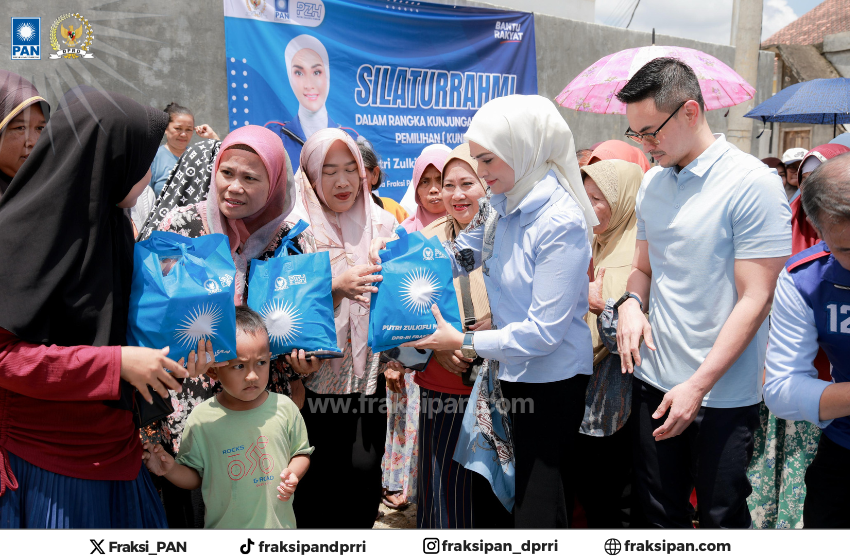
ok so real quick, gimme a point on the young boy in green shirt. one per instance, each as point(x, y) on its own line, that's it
point(235, 444)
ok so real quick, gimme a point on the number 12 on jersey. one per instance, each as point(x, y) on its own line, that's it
point(839, 313)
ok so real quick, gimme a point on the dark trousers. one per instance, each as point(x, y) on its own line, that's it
point(342, 488)
point(711, 455)
point(602, 477)
point(828, 487)
point(544, 429)
point(487, 510)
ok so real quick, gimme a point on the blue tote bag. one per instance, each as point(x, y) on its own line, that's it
point(417, 274)
point(293, 294)
point(182, 292)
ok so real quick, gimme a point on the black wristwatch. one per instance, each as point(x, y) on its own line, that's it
point(625, 297)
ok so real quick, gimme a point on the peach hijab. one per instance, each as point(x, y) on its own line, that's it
point(345, 235)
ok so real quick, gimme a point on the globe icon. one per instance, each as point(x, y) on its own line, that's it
point(613, 547)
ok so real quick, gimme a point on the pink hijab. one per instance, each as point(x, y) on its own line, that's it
point(249, 237)
point(346, 236)
point(617, 149)
point(435, 155)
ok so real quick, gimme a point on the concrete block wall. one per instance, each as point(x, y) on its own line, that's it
point(157, 51)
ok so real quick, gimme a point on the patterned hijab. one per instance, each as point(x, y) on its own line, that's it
point(187, 184)
point(346, 236)
point(614, 248)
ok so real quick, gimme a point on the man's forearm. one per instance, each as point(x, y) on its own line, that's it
point(742, 325)
point(638, 284)
point(835, 402)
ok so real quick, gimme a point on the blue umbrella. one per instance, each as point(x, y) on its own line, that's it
point(824, 101)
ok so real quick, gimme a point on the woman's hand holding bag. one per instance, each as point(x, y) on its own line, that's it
point(143, 367)
point(355, 282)
point(446, 337)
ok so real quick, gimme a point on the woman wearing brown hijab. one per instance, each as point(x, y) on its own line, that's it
point(23, 115)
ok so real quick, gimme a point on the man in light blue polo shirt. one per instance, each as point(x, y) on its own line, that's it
point(713, 233)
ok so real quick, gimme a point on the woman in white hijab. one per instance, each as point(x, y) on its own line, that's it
point(533, 247)
point(309, 71)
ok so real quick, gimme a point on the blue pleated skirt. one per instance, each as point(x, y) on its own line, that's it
point(46, 500)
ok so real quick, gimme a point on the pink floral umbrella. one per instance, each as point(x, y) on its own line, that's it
point(593, 90)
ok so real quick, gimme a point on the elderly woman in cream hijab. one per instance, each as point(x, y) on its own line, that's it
point(533, 247)
point(612, 186)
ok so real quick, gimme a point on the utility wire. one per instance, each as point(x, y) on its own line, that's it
point(620, 8)
point(633, 14)
point(621, 19)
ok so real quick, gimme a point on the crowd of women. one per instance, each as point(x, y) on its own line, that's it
point(542, 239)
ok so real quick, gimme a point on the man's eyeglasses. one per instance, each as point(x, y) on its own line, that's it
point(641, 137)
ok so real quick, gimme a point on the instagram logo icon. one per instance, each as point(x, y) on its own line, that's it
point(431, 545)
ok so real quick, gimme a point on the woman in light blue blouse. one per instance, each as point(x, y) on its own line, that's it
point(533, 247)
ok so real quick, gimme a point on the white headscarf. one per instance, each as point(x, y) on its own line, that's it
point(529, 134)
point(311, 121)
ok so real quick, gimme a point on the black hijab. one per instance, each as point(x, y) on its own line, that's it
point(16, 94)
point(66, 249)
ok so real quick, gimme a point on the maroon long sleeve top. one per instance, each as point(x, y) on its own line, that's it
point(53, 416)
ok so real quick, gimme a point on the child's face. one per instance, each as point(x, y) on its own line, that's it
point(245, 377)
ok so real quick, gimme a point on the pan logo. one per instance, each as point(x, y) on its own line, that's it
point(419, 291)
point(26, 38)
point(282, 320)
point(281, 10)
point(199, 323)
point(212, 286)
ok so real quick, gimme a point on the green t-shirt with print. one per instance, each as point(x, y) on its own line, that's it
point(239, 456)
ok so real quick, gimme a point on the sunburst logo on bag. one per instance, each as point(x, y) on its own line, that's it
point(419, 290)
point(74, 32)
point(283, 321)
point(200, 323)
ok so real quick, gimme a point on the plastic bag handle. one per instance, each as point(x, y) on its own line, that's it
point(160, 244)
point(287, 241)
point(396, 247)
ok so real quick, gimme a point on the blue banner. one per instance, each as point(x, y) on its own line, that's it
point(402, 74)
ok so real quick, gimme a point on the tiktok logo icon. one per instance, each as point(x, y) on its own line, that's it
point(246, 548)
